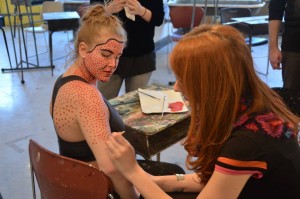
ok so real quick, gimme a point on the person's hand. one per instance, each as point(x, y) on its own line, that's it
point(121, 154)
point(115, 6)
point(135, 8)
point(275, 58)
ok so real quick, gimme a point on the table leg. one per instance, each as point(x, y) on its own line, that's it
point(250, 46)
point(158, 157)
point(74, 34)
point(250, 37)
point(7, 50)
point(50, 52)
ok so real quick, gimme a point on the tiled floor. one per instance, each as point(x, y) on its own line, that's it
point(24, 109)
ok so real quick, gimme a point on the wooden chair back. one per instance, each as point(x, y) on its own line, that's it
point(181, 16)
point(62, 177)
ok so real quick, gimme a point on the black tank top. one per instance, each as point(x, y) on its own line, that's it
point(81, 150)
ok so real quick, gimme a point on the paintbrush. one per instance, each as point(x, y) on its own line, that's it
point(149, 95)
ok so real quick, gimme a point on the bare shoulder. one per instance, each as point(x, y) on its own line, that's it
point(81, 92)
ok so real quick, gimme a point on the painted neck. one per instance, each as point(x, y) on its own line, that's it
point(82, 71)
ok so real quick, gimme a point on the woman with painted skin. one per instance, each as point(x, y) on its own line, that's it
point(242, 140)
point(138, 60)
point(83, 119)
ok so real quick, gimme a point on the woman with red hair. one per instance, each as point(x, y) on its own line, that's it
point(242, 140)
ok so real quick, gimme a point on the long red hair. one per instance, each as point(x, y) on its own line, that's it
point(216, 69)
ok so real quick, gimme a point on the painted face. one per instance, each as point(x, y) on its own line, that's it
point(103, 59)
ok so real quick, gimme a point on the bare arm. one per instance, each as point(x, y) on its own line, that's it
point(123, 156)
point(222, 186)
point(274, 51)
point(190, 183)
point(115, 6)
point(136, 8)
point(93, 118)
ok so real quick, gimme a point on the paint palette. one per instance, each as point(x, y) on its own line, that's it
point(152, 101)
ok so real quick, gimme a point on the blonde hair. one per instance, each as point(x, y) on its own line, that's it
point(217, 69)
point(95, 19)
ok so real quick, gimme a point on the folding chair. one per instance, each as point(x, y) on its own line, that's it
point(181, 18)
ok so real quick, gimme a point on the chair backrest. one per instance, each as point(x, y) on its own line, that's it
point(291, 98)
point(181, 16)
point(52, 6)
point(227, 14)
point(63, 177)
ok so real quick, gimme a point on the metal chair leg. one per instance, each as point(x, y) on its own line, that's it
point(32, 181)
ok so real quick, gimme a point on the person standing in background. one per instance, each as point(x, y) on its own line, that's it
point(289, 56)
point(138, 59)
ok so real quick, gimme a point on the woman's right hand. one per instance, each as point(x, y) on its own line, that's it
point(115, 6)
point(121, 154)
point(275, 57)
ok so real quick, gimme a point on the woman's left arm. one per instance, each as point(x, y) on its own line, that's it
point(179, 183)
point(222, 185)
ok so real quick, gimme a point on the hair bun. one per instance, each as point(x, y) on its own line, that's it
point(92, 11)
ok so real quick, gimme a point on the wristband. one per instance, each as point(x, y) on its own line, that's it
point(144, 12)
point(180, 177)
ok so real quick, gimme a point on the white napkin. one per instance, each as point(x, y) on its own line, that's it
point(128, 15)
point(153, 105)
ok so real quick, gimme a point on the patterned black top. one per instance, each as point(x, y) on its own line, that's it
point(266, 147)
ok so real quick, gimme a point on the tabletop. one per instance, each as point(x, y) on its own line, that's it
point(254, 20)
point(221, 3)
point(59, 21)
point(148, 133)
point(60, 15)
point(75, 1)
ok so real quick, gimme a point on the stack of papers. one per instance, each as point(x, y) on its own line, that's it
point(153, 101)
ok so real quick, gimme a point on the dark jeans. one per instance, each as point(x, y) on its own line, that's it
point(291, 70)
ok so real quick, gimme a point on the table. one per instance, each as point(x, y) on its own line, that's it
point(251, 22)
point(221, 3)
point(60, 21)
point(73, 5)
point(145, 135)
point(211, 7)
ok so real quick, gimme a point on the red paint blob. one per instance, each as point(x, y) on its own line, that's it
point(176, 106)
